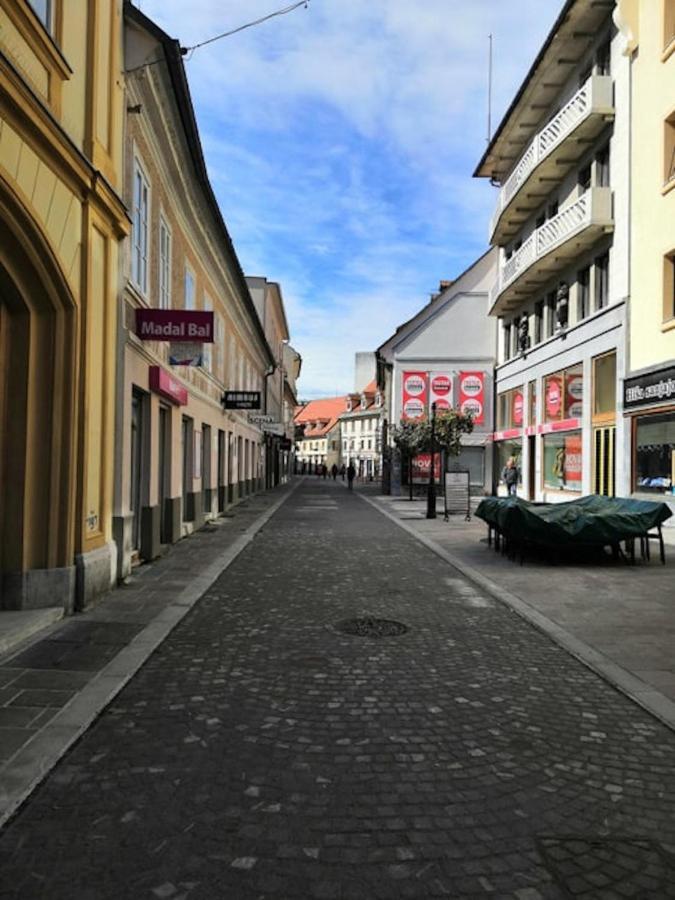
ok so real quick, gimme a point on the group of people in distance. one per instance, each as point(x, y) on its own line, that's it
point(322, 471)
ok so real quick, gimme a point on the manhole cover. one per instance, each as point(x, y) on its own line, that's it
point(610, 867)
point(367, 626)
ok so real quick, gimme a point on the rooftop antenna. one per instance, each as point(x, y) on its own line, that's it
point(489, 115)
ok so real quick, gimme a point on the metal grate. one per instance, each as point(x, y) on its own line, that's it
point(368, 626)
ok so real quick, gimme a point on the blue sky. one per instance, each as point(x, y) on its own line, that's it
point(340, 141)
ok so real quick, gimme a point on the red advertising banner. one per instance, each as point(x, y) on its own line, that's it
point(421, 466)
point(572, 458)
point(518, 408)
point(415, 396)
point(163, 384)
point(182, 325)
point(440, 390)
point(472, 395)
point(553, 397)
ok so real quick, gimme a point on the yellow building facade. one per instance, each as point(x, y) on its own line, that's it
point(648, 28)
point(61, 223)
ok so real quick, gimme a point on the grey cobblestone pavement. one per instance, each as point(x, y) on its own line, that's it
point(262, 752)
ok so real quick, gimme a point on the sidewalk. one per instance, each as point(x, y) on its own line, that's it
point(53, 685)
point(617, 618)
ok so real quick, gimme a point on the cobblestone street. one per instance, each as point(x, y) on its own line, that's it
point(263, 752)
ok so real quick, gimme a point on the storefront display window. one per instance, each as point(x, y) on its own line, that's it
point(473, 459)
point(563, 461)
point(532, 402)
point(563, 394)
point(655, 454)
point(510, 409)
point(604, 385)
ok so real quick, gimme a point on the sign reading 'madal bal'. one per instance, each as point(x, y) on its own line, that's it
point(181, 325)
point(649, 389)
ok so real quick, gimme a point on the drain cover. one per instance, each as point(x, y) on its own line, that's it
point(610, 867)
point(367, 626)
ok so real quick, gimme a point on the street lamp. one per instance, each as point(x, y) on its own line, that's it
point(431, 489)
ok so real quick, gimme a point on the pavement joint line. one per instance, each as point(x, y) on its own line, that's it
point(645, 695)
point(34, 761)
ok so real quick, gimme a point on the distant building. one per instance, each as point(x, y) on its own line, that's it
point(319, 422)
point(361, 428)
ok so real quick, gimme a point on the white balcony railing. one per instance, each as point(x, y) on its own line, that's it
point(594, 208)
point(594, 97)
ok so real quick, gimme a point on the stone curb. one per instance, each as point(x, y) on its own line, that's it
point(633, 687)
point(38, 757)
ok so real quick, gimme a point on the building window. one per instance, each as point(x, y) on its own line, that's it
point(602, 167)
point(583, 292)
point(220, 346)
point(584, 179)
point(668, 22)
point(669, 149)
point(510, 409)
point(550, 314)
point(604, 387)
point(552, 209)
point(43, 10)
point(139, 256)
point(507, 341)
point(538, 320)
point(563, 395)
point(603, 59)
point(563, 461)
point(164, 265)
point(532, 402)
point(602, 281)
point(207, 354)
point(669, 286)
point(655, 454)
point(514, 337)
point(189, 290)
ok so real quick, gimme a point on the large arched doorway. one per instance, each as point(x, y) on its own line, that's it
point(37, 409)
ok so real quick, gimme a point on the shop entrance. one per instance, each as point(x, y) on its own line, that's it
point(222, 484)
point(604, 446)
point(186, 432)
point(163, 469)
point(136, 468)
point(532, 467)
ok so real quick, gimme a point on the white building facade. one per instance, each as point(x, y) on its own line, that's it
point(561, 160)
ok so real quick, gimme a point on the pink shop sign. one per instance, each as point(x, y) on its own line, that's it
point(182, 325)
point(166, 386)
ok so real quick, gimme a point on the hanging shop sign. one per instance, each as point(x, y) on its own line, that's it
point(259, 419)
point(186, 354)
point(241, 400)
point(181, 325)
point(472, 395)
point(415, 395)
point(440, 391)
point(163, 384)
point(650, 389)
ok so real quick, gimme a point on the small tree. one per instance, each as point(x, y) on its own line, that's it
point(408, 439)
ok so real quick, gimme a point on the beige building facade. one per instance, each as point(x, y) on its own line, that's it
point(648, 30)
point(181, 457)
point(61, 123)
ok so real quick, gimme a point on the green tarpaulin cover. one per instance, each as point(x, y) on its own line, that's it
point(589, 520)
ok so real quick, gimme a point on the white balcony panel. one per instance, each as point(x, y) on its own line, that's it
point(550, 155)
point(550, 248)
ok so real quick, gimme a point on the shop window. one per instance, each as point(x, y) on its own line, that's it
point(602, 281)
point(510, 407)
point(655, 454)
point(604, 387)
point(668, 22)
point(563, 461)
point(669, 149)
point(602, 167)
point(669, 286)
point(563, 394)
point(583, 293)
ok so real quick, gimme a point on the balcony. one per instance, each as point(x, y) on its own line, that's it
point(551, 154)
point(550, 248)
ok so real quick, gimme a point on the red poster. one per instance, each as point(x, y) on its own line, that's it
point(518, 408)
point(421, 465)
point(575, 395)
point(553, 397)
point(440, 390)
point(572, 458)
point(472, 395)
point(415, 396)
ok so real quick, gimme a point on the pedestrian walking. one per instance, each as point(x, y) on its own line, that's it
point(351, 474)
point(342, 471)
point(334, 471)
point(324, 470)
point(511, 476)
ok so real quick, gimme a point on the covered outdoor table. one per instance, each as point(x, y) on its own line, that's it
point(591, 521)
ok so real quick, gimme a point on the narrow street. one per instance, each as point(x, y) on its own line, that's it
point(263, 752)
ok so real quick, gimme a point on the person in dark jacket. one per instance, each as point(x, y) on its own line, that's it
point(511, 476)
point(334, 471)
point(351, 475)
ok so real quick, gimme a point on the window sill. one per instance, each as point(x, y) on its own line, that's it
point(668, 325)
point(668, 50)
point(668, 187)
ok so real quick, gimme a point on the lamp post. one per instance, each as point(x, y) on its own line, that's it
point(431, 489)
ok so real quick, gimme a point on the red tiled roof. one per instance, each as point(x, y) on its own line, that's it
point(320, 410)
